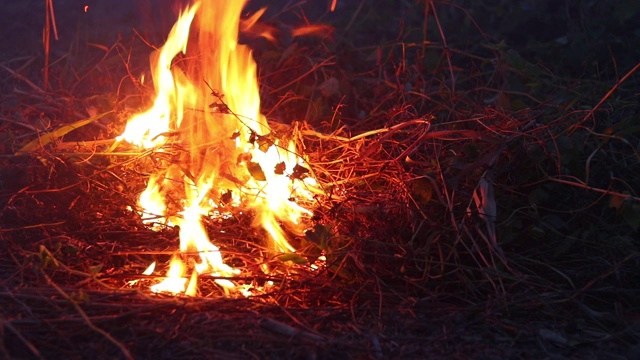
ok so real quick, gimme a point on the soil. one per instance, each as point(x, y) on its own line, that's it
point(398, 307)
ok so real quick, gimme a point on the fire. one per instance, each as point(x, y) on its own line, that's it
point(207, 111)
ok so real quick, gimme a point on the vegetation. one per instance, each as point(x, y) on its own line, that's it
point(481, 165)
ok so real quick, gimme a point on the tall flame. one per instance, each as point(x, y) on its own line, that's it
point(208, 104)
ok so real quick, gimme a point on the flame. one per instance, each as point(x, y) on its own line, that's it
point(207, 106)
point(147, 129)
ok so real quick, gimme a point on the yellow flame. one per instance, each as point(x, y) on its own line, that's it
point(202, 99)
point(175, 282)
point(147, 129)
point(150, 269)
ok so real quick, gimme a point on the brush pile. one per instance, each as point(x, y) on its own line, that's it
point(477, 202)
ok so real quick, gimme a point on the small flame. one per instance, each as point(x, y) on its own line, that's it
point(207, 102)
point(150, 269)
point(175, 282)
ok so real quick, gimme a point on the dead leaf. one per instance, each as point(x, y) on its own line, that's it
point(264, 142)
point(280, 168)
point(244, 158)
point(256, 171)
point(299, 172)
point(422, 191)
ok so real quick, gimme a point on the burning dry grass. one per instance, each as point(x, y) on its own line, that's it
point(437, 218)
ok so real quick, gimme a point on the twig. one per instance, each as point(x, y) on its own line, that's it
point(32, 226)
point(396, 127)
point(20, 123)
point(612, 270)
point(377, 349)
point(24, 79)
point(289, 331)
point(26, 342)
point(445, 47)
point(86, 319)
point(608, 94)
point(580, 184)
point(325, 62)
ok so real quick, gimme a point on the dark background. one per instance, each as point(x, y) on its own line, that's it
point(586, 38)
point(542, 63)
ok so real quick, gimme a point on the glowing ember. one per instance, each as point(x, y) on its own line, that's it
point(207, 105)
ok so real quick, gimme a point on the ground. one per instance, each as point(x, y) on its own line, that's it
point(480, 164)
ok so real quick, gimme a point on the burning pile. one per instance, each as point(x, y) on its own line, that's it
point(208, 107)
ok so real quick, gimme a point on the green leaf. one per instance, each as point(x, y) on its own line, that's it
point(256, 171)
point(80, 296)
point(293, 257)
point(57, 133)
point(320, 236)
point(517, 105)
point(46, 257)
point(631, 214)
point(94, 270)
point(344, 273)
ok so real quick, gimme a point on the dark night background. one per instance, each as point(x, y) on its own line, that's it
point(595, 31)
point(526, 73)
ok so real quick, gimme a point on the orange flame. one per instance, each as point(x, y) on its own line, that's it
point(227, 141)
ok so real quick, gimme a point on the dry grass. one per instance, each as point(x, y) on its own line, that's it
point(469, 213)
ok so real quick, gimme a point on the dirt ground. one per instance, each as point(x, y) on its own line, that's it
point(419, 304)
